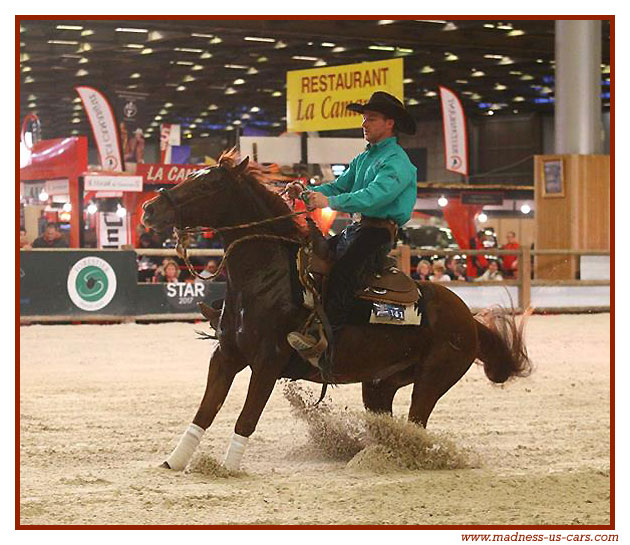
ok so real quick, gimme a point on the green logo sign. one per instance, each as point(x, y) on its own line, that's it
point(91, 283)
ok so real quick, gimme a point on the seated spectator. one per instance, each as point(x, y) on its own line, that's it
point(492, 272)
point(168, 272)
point(452, 269)
point(51, 238)
point(211, 268)
point(147, 265)
point(439, 273)
point(24, 244)
point(510, 262)
point(423, 270)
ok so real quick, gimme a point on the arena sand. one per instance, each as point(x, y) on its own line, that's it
point(102, 406)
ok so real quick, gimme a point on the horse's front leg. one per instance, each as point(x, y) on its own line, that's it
point(220, 377)
point(265, 373)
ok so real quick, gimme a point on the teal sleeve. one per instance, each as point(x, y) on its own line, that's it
point(343, 184)
point(382, 190)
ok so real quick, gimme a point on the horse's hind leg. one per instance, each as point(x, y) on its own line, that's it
point(220, 377)
point(378, 395)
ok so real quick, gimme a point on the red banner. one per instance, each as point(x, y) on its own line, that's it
point(158, 174)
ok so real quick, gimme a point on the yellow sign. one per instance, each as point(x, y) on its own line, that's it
point(317, 98)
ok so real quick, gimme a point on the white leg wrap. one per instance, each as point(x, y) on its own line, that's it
point(184, 450)
point(235, 452)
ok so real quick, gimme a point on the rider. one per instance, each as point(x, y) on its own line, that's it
point(379, 189)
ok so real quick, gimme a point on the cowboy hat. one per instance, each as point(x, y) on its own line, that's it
point(389, 105)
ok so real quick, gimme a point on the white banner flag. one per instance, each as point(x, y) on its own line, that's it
point(455, 137)
point(103, 123)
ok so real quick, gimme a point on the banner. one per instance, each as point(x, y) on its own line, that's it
point(169, 137)
point(156, 174)
point(113, 230)
point(103, 123)
point(317, 98)
point(455, 138)
point(132, 137)
point(103, 182)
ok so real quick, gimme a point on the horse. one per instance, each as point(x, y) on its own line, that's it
point(264, 301)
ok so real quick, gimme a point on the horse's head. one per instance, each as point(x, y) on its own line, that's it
point(203, 199)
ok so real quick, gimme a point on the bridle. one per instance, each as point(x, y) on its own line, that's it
point(183, 234)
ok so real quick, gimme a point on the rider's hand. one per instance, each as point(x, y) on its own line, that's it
point(294, 190)
point(316, 200)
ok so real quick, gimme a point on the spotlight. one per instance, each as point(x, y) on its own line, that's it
point(483, 218)
point(526, 209)
point(43, 196)
point(121, 212)
point(92, 209)
point(67, 207)
point(442, 201)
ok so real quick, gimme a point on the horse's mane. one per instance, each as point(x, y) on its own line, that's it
point(260, 180)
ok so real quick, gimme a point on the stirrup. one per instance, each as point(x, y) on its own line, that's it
point(307, 346)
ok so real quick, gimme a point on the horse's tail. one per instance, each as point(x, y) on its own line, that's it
point(501, 345)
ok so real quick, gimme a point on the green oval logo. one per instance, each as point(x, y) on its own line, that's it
point(91, 283)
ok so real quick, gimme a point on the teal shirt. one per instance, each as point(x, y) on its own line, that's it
point(379, 183)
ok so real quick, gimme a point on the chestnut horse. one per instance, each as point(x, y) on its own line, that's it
point(264, 301)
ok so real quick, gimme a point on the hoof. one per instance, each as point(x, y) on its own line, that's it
point(165, 465)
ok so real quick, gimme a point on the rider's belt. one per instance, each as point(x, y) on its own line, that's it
point(381, 223)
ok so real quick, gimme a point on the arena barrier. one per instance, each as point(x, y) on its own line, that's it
point(82, 285)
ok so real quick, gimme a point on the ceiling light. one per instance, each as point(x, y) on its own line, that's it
point(180, 88)
point(197, 67)
point(539, 61)
point(386, 22)
point(26, 69)
point(84, 47)
point(526, 77)
point(83, 60)
point(63, 42)
point(246, 116)
point(505, 26)
point(477, 73)
point(320, 62)
point(67, 207)
point(257, 39)
point(146, 51)
point(32, 105)
point(516, 72)
point(475, 96)
point(303, 58)
point(195, 35)
point(230, 91)
point(506, 60)
point(69, 27)
point(382, 47)
point(24, 57)
point(92, 209)
point(236, 66)
point(192, 126)
point(450, 57)
point(482, 218)
point(427, 69)
point(134, 46)
point(489, 112)
point(29, 79)
point(252, 71)
point(526, 209)
point(430, 94)
point(158, 118)
point(229, 128)
point(188, 78)
point(442, 201)
point(183, 63)
point(606, 69)
point(43, 196)
point(213, 107)
point(262, 59)
point(408, 80)
point(499, 87)
point(87, 32)
point(327, 44)
point(188, 50)
point(516, 33)
point(77, 107)
point(276, 94)
point(206, 55)
point(135, 75)
point(280, 45)
point(412, 102)
point(339, 49)
point(462, 81)
point(163, 111)
point(518, 99)
point(121, 211)
point(22, 29)
point(138, 30)
point(254, 109)
point(81, 72)
point(239, 81)
point(198, 120)
point(404, 50)
point(75, 120)
point(216, 40)
point(204, 134)
point(450, 26)
point(488, 25)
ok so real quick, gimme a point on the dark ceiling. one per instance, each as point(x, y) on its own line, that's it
point(216, 75)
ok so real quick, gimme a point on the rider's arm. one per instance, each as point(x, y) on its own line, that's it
point(341, 185)
point(383, 189)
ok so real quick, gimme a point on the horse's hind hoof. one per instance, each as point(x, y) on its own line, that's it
point(165, 465)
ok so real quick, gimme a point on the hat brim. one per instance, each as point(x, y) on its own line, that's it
point(404, 122)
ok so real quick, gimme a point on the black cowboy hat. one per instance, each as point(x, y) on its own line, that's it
point(389, 105)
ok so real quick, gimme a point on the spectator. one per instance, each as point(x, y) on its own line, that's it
point(24, 244)
point(51, 238)
point(423, 270)
point(211, 268)
point(439, 273)
point(168, 272)
point(510, 262)
point(452, 269)
point(492, 272)
point(147, 265)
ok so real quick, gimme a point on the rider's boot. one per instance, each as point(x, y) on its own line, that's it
point(307, 346)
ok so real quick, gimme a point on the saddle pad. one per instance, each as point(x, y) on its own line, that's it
point(385, 313)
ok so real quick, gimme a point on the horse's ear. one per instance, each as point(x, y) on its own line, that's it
point(242, 166)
